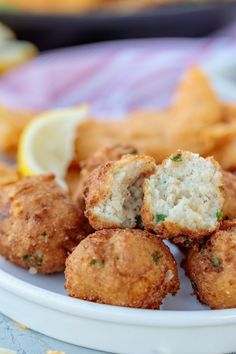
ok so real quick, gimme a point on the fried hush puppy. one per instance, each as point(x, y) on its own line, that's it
point(114, 192)
point(108, 153)
point(212, 269)
point(39, 225)
point(184, 199)
point(131, 268)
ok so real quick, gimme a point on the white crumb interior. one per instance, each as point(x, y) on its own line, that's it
point(123, 205)
point(187, 192)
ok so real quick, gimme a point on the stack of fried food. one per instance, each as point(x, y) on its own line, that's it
point(140, 181)
point(196, 120)
point(188, 199)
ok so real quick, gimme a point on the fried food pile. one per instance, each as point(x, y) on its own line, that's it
point(41, 226)
point(187, 199)
point(196, 121)
point(110, 239)
point(136, 183)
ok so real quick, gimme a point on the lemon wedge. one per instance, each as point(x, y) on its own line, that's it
point(47, 143)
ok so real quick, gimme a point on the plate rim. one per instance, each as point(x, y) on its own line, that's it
point(109, 313)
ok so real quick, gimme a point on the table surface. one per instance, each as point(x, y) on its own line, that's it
point(23, 340)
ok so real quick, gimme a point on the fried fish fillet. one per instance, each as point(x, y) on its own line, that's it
point(8, 174)
point(193, 122)
point(11, 125)
point(225, 154)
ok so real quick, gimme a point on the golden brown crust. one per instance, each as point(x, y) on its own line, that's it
point(97, 188)
point(8, 174)
point(229, 186)
point(108, 153)
point(212, 269)
point(99, 183)
point(171, 230)
point(191, 126)
point(131, 268)
point(39, 224)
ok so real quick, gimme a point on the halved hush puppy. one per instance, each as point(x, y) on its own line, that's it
point(108, 153)
point(114, 192)
point(184, 197)
point(131, 268)
point(212, 270)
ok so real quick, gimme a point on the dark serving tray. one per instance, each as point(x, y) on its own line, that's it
point(53, 31)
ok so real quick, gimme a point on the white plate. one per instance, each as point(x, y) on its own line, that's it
point(183, 326)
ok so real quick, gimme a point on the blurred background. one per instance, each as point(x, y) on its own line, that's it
point(60, 23)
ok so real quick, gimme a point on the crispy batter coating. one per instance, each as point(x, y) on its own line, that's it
point(108, 153)
point(225, 154)
point(212, 269)
point(184, 199)
point(114, 191)
point(131, 268)
point(39, 224)
point(185, 125)
point(8, 174)
point(11, 126)
point(229, 190)
point(77, 181)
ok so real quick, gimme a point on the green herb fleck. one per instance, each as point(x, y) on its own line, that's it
point(216, 262)
point(27, 259)
point(38, 261)
point(95, 261)
point(160, 218)
point(156, 256)
point(219, 215)
point(42, 235)
point(176, 158)
point(33, 260)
